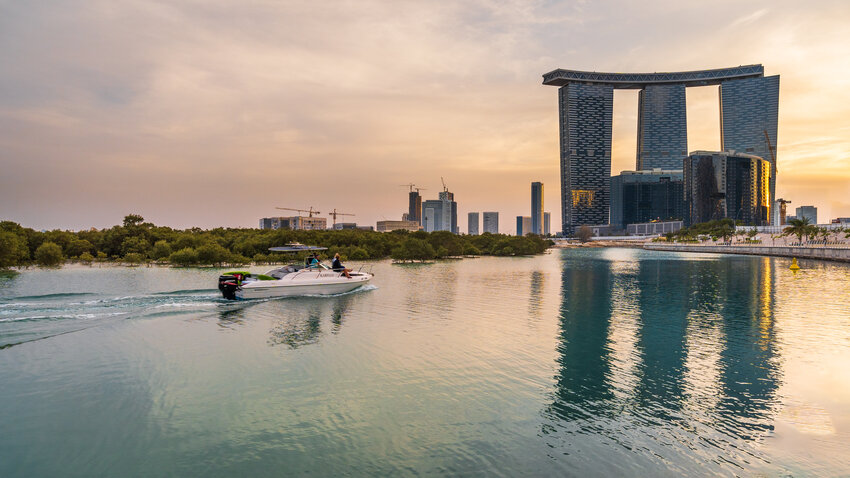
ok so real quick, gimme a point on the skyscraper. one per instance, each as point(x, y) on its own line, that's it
point(749, 115)
point(537, 208)
point(472, 224)
point(440, 214)
point(491, 222)
point(586, 112)
point(546, 229)
point(749, 104)
point(523, 225)
point(662, 140)
point(414, 212)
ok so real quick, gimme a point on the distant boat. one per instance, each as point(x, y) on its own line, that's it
point(290, 280)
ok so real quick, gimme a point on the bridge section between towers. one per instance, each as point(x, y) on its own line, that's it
point(561, 77)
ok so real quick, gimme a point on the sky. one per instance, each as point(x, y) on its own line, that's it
point(213, 113)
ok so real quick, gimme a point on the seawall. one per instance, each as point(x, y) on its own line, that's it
point(840, 254)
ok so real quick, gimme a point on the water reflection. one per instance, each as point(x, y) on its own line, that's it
point(298, 324)
point(701, 364)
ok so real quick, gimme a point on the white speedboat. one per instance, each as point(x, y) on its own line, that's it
point(290, 280)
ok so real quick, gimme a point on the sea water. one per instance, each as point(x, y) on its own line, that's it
point(598, 362)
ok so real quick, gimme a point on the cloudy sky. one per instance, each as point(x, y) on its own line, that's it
point(211, 113)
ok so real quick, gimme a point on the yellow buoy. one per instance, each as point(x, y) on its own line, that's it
point(794, 266)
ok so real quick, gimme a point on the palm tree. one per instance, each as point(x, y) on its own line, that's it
point(798, 227)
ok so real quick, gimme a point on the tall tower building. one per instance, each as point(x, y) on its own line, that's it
point(537, 208)
point(586, 112)
point(523, 225)
point(472, 224)
point(449, 212)
point(749, 104)
point(491, 222)
point(662, 140)
point(414, 212)
point(749, 115)
point(546, 229)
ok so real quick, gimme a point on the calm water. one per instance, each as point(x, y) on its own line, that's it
point(599, 362)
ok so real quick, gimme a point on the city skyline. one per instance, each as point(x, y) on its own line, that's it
point(101, 117)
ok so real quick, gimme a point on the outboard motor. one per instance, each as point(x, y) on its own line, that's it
point(229, 284)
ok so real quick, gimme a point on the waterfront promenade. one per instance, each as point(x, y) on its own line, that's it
point(839, 252)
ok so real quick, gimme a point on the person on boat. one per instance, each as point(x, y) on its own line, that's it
point(338, 267)
point(313, 262)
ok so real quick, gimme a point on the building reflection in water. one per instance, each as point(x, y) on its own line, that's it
point(298, 322)
point(705, 365)
point(535, 296)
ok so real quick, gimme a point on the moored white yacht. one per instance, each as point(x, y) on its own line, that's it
point(290, 280)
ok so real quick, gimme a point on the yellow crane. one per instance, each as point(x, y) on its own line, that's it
point(310, 211)
point(335, 214)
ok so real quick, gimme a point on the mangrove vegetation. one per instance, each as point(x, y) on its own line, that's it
point(136, 241)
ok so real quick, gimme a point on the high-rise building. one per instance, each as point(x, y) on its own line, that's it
point(749, 114)
point(546, 229)
point(537, 208)
point(662, 140)
point(449, 217)
point(432, 213)
point(779, 212)
point(523, 225)
point(730, 185)
point(586, 112)
point(644, 196)
point(808, 212)
point(440, 214)
point(491, 222)
point(472, 224)
point(414, 212)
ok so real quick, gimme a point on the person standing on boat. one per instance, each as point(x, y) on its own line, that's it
point(338, 267)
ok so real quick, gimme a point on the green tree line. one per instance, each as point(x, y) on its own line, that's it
point(137, 241)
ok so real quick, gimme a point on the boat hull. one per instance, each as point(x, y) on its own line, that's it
point(284, 288)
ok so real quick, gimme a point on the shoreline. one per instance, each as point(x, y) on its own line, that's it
point(833, 254)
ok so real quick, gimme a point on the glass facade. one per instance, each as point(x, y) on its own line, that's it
point(749, 104)
point(749, 117)
point(644, 196)
point(722, 185)
point(537, 208)
point(662, 140)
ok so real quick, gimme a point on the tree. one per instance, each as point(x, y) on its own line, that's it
point(184, 257)
point(49, 254)
point(161, 250)
point(212, 253)
point(77, 247)
point(134, 258)
point(131, 220)
point(135, 244)
point(584, 233)
point(413, 249)
point(799, 228)
point(13, 249)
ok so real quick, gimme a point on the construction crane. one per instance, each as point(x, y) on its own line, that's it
point(335, 214)
point(412, 187)
point(445, 189)
point(310, 211)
